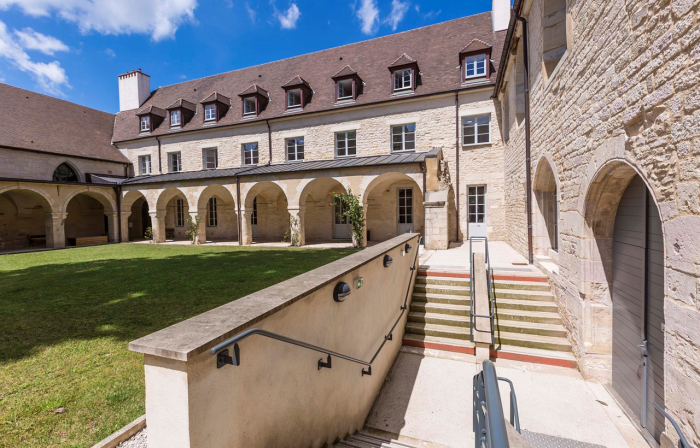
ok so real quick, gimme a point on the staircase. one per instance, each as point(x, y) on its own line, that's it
point(365, 439)
point(528, 325)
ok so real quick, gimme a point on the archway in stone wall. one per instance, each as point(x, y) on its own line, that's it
point(545, 229)
point(393, 205)
point(136, 216)
point(217, 208)
point(25, 220)
point(624, 275)
point(267, 210)
point(172, 212)
point(90, 219)
point(323, 215)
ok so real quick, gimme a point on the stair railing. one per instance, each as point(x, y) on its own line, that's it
point(682, 442)
point(489, 422)
point(222, 353)
point(489, 276)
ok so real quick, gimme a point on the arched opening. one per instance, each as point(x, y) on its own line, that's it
point(174, 221)
point(217, 208)
point(545, 228)
point(323, 215)
point(65, 173)
point(86, 221)
point(266, 208)
point(393, 205)
point(625, 272)
point(25, 220)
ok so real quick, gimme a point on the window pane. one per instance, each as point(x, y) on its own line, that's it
point(249, 105)
point(397, 80)
point(345, 88)
point(294, 98)
point(210, 112)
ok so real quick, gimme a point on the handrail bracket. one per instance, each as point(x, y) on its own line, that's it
point(326, 364)
point(368, 371)
point(223, 358)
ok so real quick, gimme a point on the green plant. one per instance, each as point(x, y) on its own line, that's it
point(193, 228)
point(149, 233)
point(352, 209)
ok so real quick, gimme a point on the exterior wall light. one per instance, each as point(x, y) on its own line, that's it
point(387, 261)
point(407, 248)
point(341, 292)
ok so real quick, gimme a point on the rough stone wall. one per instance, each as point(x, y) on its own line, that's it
point(16, 164)
point(18, 220)
point(625, 94)
point(86, 217)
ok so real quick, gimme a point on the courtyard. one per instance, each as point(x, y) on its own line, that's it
point(66, 375)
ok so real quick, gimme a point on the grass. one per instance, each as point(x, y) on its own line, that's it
point(67, 316)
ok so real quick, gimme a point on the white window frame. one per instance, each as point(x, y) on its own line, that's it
point(474, 61)
point(147, 121)
point(475, 128)
point(179, 213)
point(403, 137)
point(173, 114)
point(175, 167)
point(254, 111)
point(289, 96)
point(207, 115)
point(205, 160)
point(296, 149)
point(213, 220)
point(145, 164)
point(402, 72)
point(352, 89)
point(345, 139)
point(253, 159)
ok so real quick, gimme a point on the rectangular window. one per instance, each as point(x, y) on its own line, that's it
point(403, 138)
point(175, 118)
point(145, 124)
point(179, 212)
point(249, 106)
point(403, 79)
point(210, 112)
point(475, 66)
point(345, 89)
point(476, 130)
point(213, 218)
point(254, 215)
point(345, 144)
point(250, 154)
point(175, 162)
point(295, 149)
point(145, 164)
point(476, 203)
point(210, 159)
point(293, 98)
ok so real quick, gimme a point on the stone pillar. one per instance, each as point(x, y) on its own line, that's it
point(364, 228)
point(245, 234)
point(296, 225)
point(113, 223)
point(158, 225)
point(55, 230)
point(201, 237)
point(482, 325)
point(124, 222)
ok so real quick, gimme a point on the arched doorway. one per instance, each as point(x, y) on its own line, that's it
point(217, 208)
point(546, 219)
point(637, 292)
point(25, 220)
point(323, 215)
point(393, 205)
point(174, 208)
point(86, 220)
point(267, 211)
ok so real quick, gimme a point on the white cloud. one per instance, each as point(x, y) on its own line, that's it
point(398, 11)
point(50, 76)
point(109, 52)
point(159, 18)
point(32, 40)
point(288, 19)
point(251, 12)
point(368, 15)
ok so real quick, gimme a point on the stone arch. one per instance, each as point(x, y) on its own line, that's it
point(46, 201)
point(135, 217)
point(219, 218)
point(90, 214)
point(317, 202)
point(269, 219)
point(167, 195)
point(547, 199)
point(27, 219)
point(65, 171)
point(169, 219)
point(107, 202)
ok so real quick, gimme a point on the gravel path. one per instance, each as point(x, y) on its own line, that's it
point(138, 440)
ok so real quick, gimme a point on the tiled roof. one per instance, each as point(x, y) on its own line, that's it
point(435, 47)
point(38, 122)
point(404, 59)
point(217, 97)
point(253, 89)
point(152, 110)
point(313, 165)
point(475, 45)
point(296, 81)
point(184, 104)
point(345, 71)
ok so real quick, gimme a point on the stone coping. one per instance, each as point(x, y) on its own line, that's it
point(189, 338)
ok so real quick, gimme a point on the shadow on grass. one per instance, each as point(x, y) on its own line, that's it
point(126, 298)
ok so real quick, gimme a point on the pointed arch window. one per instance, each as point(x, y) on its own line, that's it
point(64, 173)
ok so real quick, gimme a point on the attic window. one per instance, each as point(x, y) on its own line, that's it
point(403, 79)
point(249, 106)
point(293, 98)
point(175, 118)
point(346, 87)
point(474, 66)
point(145, 124)
point(210, 112)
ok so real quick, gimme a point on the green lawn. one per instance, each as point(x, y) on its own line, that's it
point(67, 316)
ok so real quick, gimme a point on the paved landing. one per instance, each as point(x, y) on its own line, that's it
point(430, 399)
point(503, 257)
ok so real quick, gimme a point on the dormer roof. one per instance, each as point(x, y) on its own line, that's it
point(182, 103)
point(295, 82)
point(217, 97)
point(152, 110)
point(345, 71)
point(252, 90)
point(476, 45)
point(402, 60)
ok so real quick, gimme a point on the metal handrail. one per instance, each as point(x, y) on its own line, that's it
point(514, 414)
point(223, 358)
point(489, 423)
point(683, 442)
point(489, 276)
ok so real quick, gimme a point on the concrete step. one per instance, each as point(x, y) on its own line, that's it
point(440, 308)
point(501, 325)
point(442, 289)
point(439, 319)
point(500, 284)
point(501, 313)
point(362, 439)
point(526, 305)
point(443, 331)
point(463, 291)
point(440, 298)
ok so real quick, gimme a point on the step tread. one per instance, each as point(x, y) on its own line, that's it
point(501, 334)
point(435, 307)
point(423, 278)
point(499, 321)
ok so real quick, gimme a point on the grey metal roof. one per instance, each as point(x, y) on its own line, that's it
point(290, 167)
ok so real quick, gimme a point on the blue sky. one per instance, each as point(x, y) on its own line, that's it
point(74, 49)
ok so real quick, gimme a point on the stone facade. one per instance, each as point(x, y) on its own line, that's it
point(621, 101)
point(16, 164)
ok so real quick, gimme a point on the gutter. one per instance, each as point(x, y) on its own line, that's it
point(425, 172)
point(238, 203)
point(528, 162)
point(118, 191)
point(269, 141)
point(457, 199)
point(160, 158)
point(515, 12)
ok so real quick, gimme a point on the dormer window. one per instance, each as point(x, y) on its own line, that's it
point(249, 106)
point(403, 79)
point(175, 118)
point(145, 124)
point(345, 89)
point(215, 107)
point(210, 112)
point(475, 66)
point(404, 75)
point(150, 117)
point(253, 101)
point(347, 85)
point(475, 60)
point(293, 98)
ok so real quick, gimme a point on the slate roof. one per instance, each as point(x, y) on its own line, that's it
point(30, 120)
point(436, 48)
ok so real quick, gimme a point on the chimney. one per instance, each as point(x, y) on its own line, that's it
point(500, 14)
point(134, 88)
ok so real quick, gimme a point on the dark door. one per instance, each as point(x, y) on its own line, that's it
point(145, 219)
point(637, 296)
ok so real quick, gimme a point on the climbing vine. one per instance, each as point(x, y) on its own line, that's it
point(352, 209)
point(193, 228)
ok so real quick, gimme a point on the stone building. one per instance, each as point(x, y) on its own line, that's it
point(569, 129)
